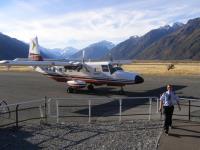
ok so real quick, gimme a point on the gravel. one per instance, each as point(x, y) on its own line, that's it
point(134, 135)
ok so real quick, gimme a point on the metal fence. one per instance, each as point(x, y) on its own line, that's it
point(59, 110)
point(101, 109)
point(190, 109)
point(13, 114)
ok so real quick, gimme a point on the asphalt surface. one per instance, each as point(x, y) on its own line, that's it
point(19, 86)
point(184, 136)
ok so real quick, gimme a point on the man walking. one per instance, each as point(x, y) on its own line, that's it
point(167, 101)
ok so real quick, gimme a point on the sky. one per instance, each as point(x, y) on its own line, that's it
point(78, 23)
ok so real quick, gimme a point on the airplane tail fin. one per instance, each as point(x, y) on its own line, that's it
point(34, 53)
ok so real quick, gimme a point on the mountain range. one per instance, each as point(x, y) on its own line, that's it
point(184, 43)
point(58, 53)
point(179, 41)
point(94, 51)
point(11, 48)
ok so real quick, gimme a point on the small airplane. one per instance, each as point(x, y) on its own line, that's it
point(76, 75)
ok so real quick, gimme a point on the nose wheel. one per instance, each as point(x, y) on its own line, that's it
point(122, 90)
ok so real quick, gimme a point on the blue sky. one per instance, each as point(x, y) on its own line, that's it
point(78, 23)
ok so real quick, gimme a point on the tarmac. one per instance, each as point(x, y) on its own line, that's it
point(184, 136)
point(26, 86)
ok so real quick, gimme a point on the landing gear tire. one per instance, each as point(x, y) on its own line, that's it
point(121, 91)
point(70, 90)
point(90, 87)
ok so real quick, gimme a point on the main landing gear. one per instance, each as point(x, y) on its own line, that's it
point(70, 90)
point(90, 87)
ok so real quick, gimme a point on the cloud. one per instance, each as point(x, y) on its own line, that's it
point(82, 27)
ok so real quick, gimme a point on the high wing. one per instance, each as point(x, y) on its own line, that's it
point(37, 63)
point(120, 62)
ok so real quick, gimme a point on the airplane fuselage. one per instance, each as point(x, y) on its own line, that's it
point(92, 73)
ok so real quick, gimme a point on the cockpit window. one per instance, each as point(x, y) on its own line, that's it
point(105, 68)
point(113, 69)
point(118, 68)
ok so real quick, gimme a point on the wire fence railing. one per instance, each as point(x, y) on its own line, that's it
point(101, 108)
point(13, 114)
point(59, 110)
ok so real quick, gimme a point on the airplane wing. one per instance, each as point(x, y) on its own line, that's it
point(121, 62)
point(36, 63)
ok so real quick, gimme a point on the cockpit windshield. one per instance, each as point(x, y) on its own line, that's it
point(118, 68)
point(113, 69)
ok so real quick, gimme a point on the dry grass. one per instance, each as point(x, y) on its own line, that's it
point(144, 68)
point(16, 68)
point(160, 68)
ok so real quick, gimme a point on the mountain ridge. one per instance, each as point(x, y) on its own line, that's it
point(94, 51)
point(178, 41)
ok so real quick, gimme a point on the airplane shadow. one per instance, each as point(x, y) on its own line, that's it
point(110, 91)
point(112, 107)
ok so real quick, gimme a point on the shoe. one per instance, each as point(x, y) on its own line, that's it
point(166, 132)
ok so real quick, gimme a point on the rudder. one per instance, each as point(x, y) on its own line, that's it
point(34, 53)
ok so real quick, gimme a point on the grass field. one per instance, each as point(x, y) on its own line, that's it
point(16, 68)
point(161, 68)
point(145, 68)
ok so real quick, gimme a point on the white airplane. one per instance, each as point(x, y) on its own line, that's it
point(76, 75)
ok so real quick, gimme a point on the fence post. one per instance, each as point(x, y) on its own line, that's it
point(17, 116)
point(89, 113)
point(45, 109)
point(189, 110)
point(41, 112)
point(120, 110)
point(157, 104)
point(150, 103)
point(49, 106)
point(57, 111)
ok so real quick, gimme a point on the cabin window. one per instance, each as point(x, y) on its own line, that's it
point(98, 69)
point(105, 68)
point(54, 69)
point(60, 70)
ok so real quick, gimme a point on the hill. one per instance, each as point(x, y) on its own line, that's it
point(134, 46)
point(94, 51)
point(11, 48)
point(182, 44)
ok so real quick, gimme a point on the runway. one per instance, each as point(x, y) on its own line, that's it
point(25, 86)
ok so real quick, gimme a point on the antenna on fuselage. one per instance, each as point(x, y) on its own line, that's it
point(110, 57)
point(83, 56)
